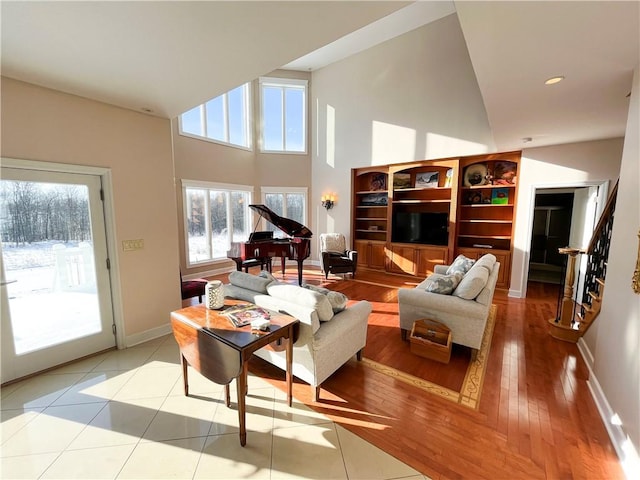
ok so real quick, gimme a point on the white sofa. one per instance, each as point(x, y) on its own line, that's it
point(465, 311)
point(326, 340)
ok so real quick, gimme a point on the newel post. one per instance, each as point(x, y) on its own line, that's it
point(562, 327)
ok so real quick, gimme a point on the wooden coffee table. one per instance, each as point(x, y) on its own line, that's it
point(220, 352)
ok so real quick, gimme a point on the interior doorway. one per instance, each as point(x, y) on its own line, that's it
point(551, 231)
point(562, 217)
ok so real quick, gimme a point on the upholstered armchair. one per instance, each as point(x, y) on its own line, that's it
point(336, 257)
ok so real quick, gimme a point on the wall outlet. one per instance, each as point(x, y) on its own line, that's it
point(131, 245)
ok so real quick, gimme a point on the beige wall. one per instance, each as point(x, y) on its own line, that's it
point(50, 126)
point(412, 97)
point(211, 162)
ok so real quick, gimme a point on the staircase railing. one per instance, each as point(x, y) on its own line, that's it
point(567, 326)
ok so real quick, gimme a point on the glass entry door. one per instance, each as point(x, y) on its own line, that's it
point(55, 294)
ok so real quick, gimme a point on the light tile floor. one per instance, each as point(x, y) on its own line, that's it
point(123, 414)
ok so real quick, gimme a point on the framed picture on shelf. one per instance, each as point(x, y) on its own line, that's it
point(401, 180)
point(504, 173)
point(427, 180)
point(374, 200)
point(500, 196)
point(378, 181)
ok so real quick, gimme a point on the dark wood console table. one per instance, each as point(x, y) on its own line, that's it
point(220, 352)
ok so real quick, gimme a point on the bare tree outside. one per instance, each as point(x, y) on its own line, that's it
point(36, 212)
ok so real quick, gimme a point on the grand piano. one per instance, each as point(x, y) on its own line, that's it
point(262, 245)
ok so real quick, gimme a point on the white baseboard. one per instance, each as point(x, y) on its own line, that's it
point(209, 273)
point(138, 338)
point(514, 293)
point(586, 354)
point(629, 459)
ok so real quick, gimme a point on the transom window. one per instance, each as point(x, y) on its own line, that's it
point(215, 215)
point(288, 202)
point(224, 119)
point(284, 113)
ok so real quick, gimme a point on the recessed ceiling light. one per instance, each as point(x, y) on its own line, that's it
point(553, 80)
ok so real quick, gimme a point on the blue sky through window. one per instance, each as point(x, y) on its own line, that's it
point(226, 117)
point(237, 124)
point(192, 123)
point(294, 105)
point(272, 118)
point(215, 119)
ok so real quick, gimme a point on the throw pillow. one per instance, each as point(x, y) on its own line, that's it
point(472, 283)
point(461, 264)
point(266, 274)
point(337, 300)
point(443, 284)
point(303, 297)
point(248, 281)
point(334, 244)
point(488, 261)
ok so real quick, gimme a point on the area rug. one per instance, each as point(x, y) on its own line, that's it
point(464, 390)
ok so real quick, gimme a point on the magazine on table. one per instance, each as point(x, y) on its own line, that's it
point(244, 314)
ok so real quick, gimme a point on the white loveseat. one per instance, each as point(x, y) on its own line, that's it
point(465, 310)
point(327, 339)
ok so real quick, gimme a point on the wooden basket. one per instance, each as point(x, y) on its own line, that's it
point(431, 339)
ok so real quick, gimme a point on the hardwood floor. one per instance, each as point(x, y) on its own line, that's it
point(536, 417)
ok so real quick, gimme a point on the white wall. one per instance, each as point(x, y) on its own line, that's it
point(50, 126)
point(616, 370)
point(413, 97)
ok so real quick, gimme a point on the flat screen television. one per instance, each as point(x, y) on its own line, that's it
point(420, 227)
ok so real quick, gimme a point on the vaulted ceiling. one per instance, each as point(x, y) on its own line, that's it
point(170, 56)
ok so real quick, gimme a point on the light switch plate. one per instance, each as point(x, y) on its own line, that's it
point(131, 245)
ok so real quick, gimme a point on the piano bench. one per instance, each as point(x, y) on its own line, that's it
point(254, 262)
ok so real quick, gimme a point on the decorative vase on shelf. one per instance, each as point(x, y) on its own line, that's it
point(214, 294)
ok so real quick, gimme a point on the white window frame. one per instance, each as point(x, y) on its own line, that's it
point(227, 187)
point(203, 120)
point(285, 83)
point(285, 191)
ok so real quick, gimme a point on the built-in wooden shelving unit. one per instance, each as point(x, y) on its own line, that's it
point(409, 217)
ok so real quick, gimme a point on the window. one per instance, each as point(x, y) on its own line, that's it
point(288, 202)
point(215, 215)
point(224, 119)
point(284, 114)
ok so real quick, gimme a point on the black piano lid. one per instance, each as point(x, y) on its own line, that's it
point(288, 226)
